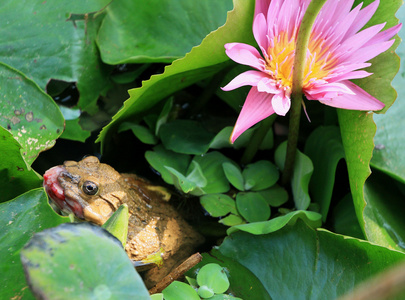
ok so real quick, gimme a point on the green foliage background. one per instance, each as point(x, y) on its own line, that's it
point(167, 50)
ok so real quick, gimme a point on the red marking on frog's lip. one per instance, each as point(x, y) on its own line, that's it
point(56, 192)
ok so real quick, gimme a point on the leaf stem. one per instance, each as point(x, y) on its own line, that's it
point(301, 47)
point(257, 139)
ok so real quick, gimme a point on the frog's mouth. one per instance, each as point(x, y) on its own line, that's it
point(57, 194)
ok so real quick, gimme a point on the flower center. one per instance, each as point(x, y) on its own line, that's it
point(279, 64)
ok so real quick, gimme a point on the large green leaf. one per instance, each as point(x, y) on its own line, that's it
point(383, 214)
point(324, 148)
point(161, 31)
point(344, 220)
point(298, 262)
point(69, 262)
point(20, 219)
point(357, 128)
point(389, 153)
point(15, 176)
point(201, 62)
point(28, 113)
point(37, 39)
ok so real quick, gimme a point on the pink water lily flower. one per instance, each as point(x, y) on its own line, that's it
point(336, 52)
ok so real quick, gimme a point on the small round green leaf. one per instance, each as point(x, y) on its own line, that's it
point(180, 291)
point(274, 196)
point(205, 292)
point(211, 166)
point(69, 262)
point(185, 136)
point(195, 174)
point(218, 205)
point(232, 220)
point(214, 278)
point(158, 296)
point(252, 207)
point(144, 134)
point(181, 182)
point(234, 175)
point(260, 175)
point(160, 158)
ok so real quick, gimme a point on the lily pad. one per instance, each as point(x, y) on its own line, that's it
point(388, 154)
point(357, 128)
point(28, 113)
point(41, 40)
point(298, 262)
point(128, 35)
point(385, 224)
point(20, 218)
point(55, 266)
point(15, 176)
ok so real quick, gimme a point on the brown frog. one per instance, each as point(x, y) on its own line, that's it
point(93, 191)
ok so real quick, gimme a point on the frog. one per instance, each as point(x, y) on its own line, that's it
point(93, 191)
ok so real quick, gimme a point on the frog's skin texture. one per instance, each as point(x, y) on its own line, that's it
point(93, 192)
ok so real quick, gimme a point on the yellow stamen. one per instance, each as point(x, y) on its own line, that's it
point(279, 64)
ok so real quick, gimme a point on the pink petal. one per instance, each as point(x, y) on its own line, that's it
point(245, 54)
point(342, 27)
point(256, 108)
point(268, 85)
point(362, 18)
point(385, 35)
point(281, 103)
point(325, 91)
point(361, 100)
point(366, 53)
point(358, 40)
point(351, 75)
point(261, 7)
point(260, 32)
point(246, 78)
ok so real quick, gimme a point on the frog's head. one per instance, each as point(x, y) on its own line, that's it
point(89, 189)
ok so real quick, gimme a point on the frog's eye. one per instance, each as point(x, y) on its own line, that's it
point(90, 188)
